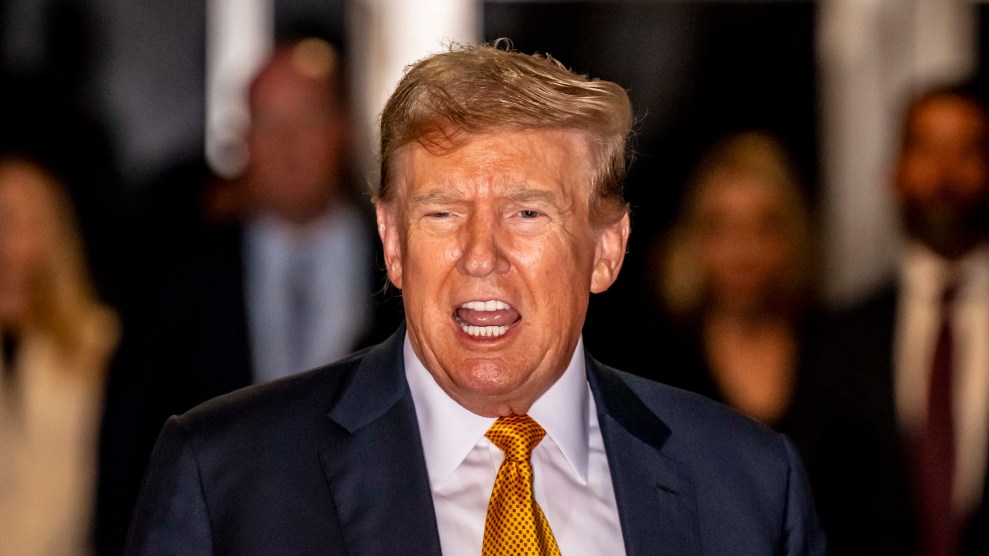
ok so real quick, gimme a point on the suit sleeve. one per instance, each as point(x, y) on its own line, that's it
point(802, 533)
point(171, 516)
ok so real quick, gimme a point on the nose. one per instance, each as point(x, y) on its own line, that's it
point(481, 253)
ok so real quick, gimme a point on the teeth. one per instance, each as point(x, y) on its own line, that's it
point(489, 305)
point(484, 331)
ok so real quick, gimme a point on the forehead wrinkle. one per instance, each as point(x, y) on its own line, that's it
point(487, 172)
point(452, 187)
point(515, 192)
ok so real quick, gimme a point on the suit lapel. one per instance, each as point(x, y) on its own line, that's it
point(654, 493)
point(374, 466)
point(376, 471)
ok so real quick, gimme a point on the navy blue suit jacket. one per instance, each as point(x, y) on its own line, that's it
point(331, 462)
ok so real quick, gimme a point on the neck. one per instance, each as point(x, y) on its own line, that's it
point(951, 242)
point(300, 218)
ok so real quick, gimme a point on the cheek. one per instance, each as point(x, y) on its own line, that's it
point(778, 254)
point(917, 177)
point(973, 177)
point(263, 149)
point(558, 271)
point(22, 258)
point(431, 252)
point(717, 250)
point(427, 264)
point(316, 145)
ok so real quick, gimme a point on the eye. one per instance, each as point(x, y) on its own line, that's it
point(529, 214)
point(438, 214)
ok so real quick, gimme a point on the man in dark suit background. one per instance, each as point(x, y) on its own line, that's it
point(288, 284)
point(897, 450)
point(500, 210)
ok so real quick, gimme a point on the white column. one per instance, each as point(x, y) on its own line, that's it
point(871, 55)
point(946, 38)
point(388, 35)
point(239, 37)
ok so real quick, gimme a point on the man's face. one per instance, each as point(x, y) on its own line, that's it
point(493, 249)
point(943, 175)
point(295, 142)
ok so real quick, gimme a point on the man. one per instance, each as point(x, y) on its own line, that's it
point(500, 210)
point(898, 448)
point(308, 269)
point(287, 287)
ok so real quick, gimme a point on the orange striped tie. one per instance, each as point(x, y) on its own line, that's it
point(515, 524)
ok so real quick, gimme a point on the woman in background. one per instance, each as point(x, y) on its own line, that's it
point(57, 339)
point(736, 276)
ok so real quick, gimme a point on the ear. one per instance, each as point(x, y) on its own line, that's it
point(388, 230)
point(609, 253)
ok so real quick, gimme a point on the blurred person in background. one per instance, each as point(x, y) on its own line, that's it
point(288, 285)
point(57, 342)
point(732, 282)
point(308, 248)
point(900, 438)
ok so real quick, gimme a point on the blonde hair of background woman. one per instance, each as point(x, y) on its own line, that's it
point(63, 304)
point(754, 155)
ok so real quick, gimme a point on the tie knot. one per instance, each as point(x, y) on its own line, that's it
point(516, 435)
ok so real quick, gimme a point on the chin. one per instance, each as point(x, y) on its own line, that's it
point(487, 378)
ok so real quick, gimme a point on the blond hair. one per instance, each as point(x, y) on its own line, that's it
point(755, 155)
point(63, 303)
point(474, 89)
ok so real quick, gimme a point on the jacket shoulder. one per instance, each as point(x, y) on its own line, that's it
point(705, 421)
point(744, 483)
point(278, 403)
point(687, 424)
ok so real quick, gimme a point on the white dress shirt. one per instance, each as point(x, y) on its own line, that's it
point(923, 276)
point(340, 304)
point(572, 481)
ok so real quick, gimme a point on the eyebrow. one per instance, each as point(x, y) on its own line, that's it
point(435, 197)
point(518, 194)
point(529, 195)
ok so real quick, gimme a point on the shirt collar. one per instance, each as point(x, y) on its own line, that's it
point(563, 411)
point(273, 241)
point(925, 273)
point(449, 431)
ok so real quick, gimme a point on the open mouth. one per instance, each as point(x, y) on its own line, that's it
point(486, 319)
